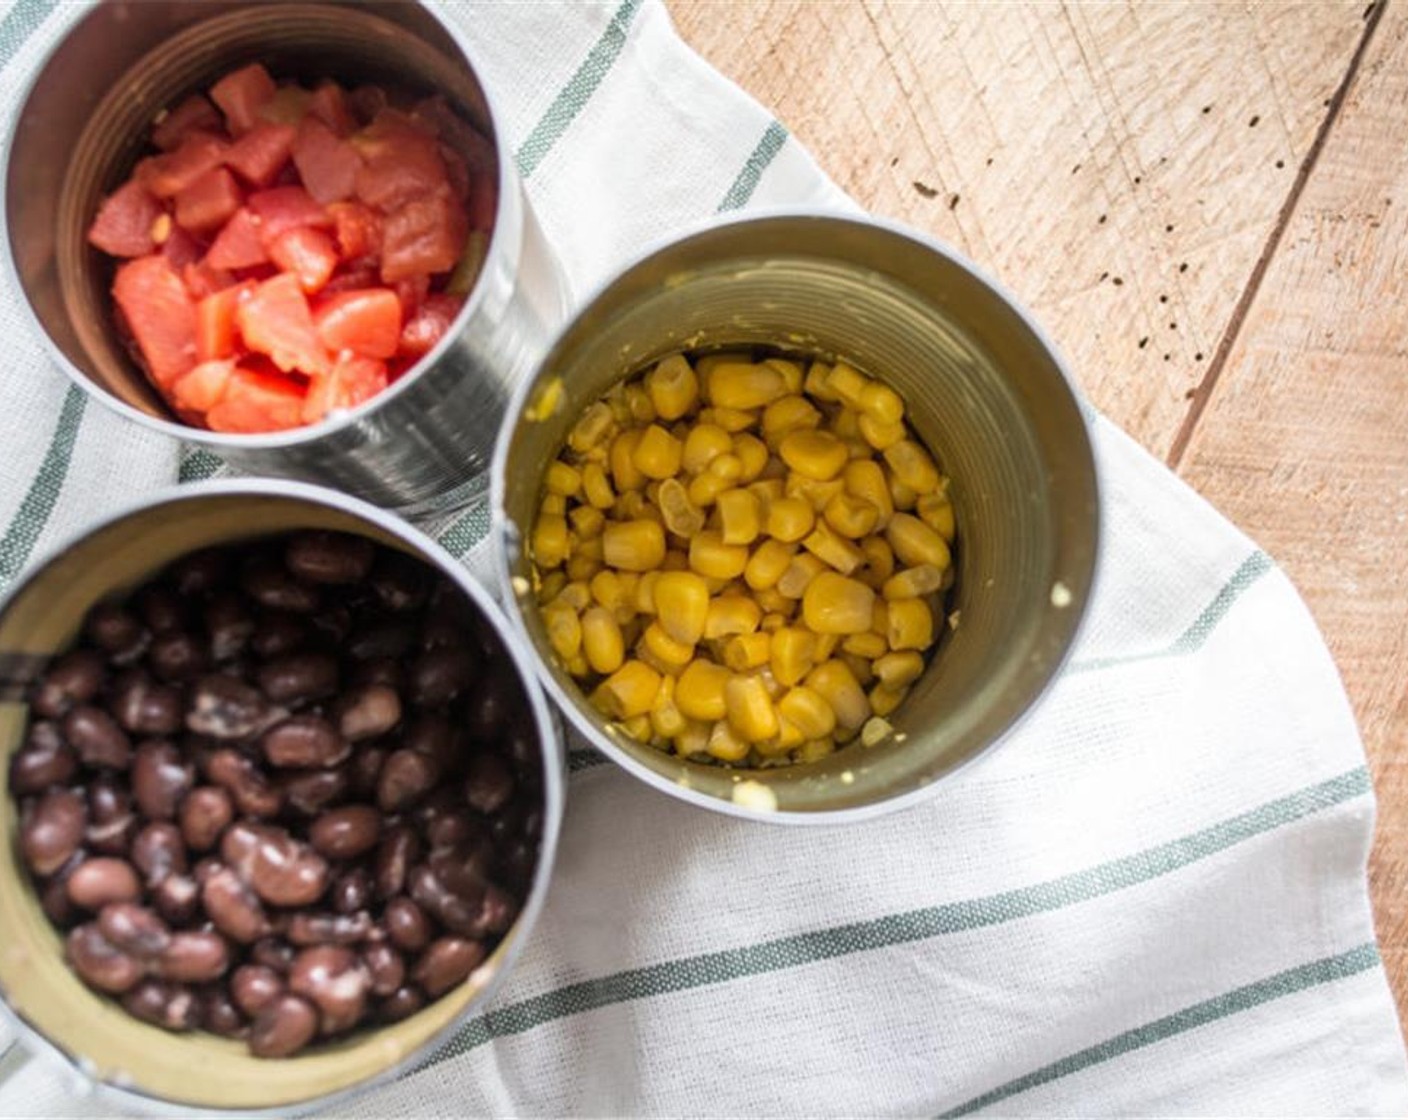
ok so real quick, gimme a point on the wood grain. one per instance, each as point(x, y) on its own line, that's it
point(1304, 442)
point(1162, 183)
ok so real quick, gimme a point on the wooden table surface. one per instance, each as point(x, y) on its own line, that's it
point(1207, 206)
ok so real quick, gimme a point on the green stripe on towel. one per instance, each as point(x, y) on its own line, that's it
point(19, 24)
point(33, 515)
point(774, 137)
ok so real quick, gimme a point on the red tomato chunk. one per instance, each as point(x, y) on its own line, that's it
point(260, 197)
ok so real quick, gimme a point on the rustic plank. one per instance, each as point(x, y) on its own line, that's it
point(1304, 441)
point(1119, 166)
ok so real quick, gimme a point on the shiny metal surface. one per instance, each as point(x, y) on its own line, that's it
point(985, 391)
point(419, 446)
point(131, 1063)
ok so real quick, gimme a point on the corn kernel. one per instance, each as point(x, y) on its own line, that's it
point(637, 727)
point(681, 516)
point(879, 434)
point(704, 489)
point(587, 522)
point(885, 700)
point(835, 550)
point(583, 567)
point(838, 687)
point(752, 453)
point(767, 491)
point(702, 445)
point(865, 479)
point(593, 427)
point(645, 591)
point(904, 498)
point(747, 651)
point(739, 516)
point(818, 455)
point(915, 543)
point(847, 383)
point(642, 408)
point(597, 487)
point(814, 750)
point(607, 589)
point(808, 711)
point(859, 667)
point(699, 691)
point(564, 629)
point(750, 710)
point(834, 604)
point(792, 654)
point(881, 402)
point(553, 504)
point(738, 385)
point(658, 649)
point(936, 511)
point(630, 690)
point(879, 559)
point(790, 519)
point(911, 464)
point(792, 373)
point(634, 546)
point(845, 426)
point(673, 387)
point(657, 453)
point(694, 739)
point(899, 670)
point(602, 641)
point(725, 744)
point(815, 385)
point(765, 567)
point(727, 466)
point(563, 479)
point(731, 420)
point(911, 625)
point(625, 475)
point(731, 614)
point(816, 494)
point(912, 582)
point(787, 738)
point(550, 541)
point(851, 516)
point(710, 556)
point(666, 720)
point(776, 605)
point(577, 666)
point(869, 645)
point(788, 414)
point(576, 595)
point(549, 584)
point(710, 362)
point(799, 574)
point(681, 599)
point(826, 645)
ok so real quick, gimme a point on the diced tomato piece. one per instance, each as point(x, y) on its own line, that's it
point(289, 105)
point(260, 154)
point(284, 208)
point(327, 165)
point(216, 333)
point(123, 226)
point(180, 248)
point(353, 277)
point(275, 320)
point(195, 114)
point(329, 104)
point(209, 202)
point(424, 235)
point(399, 166)
point(367, 322)
point(241, 94)
point(366, 102)
point(161, 315)
point(471, 145)
point(358, 230)
point(168, 175)
point(201, 390)
point(424, 330)
point(255, 401)
point(351, 381)
point(411, 291)
point(238, 245)
point(307, 253)
point(202, 280)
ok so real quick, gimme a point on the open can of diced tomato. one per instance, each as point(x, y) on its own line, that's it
point(141, 97)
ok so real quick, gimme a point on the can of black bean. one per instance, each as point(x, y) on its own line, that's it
point(280, 804)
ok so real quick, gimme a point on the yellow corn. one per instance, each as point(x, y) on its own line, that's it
point(642, 408)
point(859, 667)
point(704, 489)
point(915, 543)
point(911, 464)
point(814, 750)
point(792, 374)
point(657, 648)
point(792, 654)
point(699, 691)
point(750, 710)
point(936, 511)
point(576, 595)
point(738, 385)
point(597, 487)
point(702, 445)
point(593, 427)
point(681, 516)
point(681, 600)
point(577, 666)
point(710, 556)
point(879, 434)
point(727, 466)
point(869, 645)
point(747, 651)
point(865, 479)
point(630, 691)
point(835, 550)
point(608, 590)
point(637, 727)
point(845, 426)
point(673, 387)
point(725, 744)
point(913, 581)
point(884, 700)
point(586, 521)
point(731, 614)
point(847, 383)
point(549, 584)
point(767, 490)
point(634, 546)
point(554, 504)
point(666, 720)
point(834, 604)
point(879, 560)
point(815, 385)
point(602, 641)
point(911, 624)
point(710, 362)
point(790, 519)
point(899, 670)
point(788, 414)
point(563, 479)
point(625, 475)
point(765, 567)
point(903, 496)
point(815, 454)
point(882, 403)
point(564, 629)
point(694, 739)
point(645, 591)
point(838, 687)
point(752, 453)
point(739, 516)
point(851, 516)
point(808, 711)
point(731, 420)
point(800, 572)
point(775, 605)
point(550, 541)
point(657, 453)
point(810, 490)
point(633, 505)
point(581, 566)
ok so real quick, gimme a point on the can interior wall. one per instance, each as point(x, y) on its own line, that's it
point(104, 1043)
point(984, 392)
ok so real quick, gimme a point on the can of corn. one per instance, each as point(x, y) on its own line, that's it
point(985, 392)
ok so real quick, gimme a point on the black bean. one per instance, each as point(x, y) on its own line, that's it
point(326, 557)
point(224, 707)
point(229, 625)
point(488, 783)
point(305, 742)
point(299, 678)
point(367, 711)
point(177, 899)
point(438, 675)
point(233, 908)
point(447, 962)
point(404, 1002)
point(253, 987)
point(98, 962)
point(217, 1014)
point(283, 871)
point(306, 928)
point(178, 655)
point(406, 924)
point(52, 830)
point(162, 609)
point(159, 850)
point(171, 1006)
point(399, 582)
point(346, 833)
point(351, 891)
point(311, 791)
point(97, 882)
point(274, 953)
point(205, 813)
point(273, 587)
point(283, 1028)
point(194, 957)
point(334, 979)
point(278, 633)
point(145, 707)
point(386, 967)
point(74, 678)
point(116, 632)
point(200, 572)
point(45, 760)
point(134, 929)
point(97, 738)
point(399, 850)
point(405, 778)
point(161, 777)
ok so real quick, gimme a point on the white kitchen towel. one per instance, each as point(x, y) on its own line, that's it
point(1151, 900)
